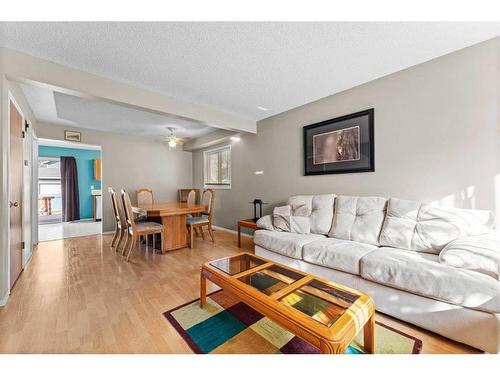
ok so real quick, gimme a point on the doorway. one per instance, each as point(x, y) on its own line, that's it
point(69, 190)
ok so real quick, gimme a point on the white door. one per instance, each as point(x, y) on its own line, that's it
point(16, 193)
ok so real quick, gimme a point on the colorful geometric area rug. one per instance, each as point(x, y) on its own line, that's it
point(227, 326)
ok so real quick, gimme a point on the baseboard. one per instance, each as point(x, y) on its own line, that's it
point(231, 231)
point(213, 226)
point(3, 300)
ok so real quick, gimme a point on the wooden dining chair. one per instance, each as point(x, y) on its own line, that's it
point(197, 223)
point(191, 198)
point(144, 196)
point(137, 229)
point(183, 194)
point(120, 221)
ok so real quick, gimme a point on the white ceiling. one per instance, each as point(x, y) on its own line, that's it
point(62, 109)
point(236, 67)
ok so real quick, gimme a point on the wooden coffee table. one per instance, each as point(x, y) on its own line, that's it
point(327, 315)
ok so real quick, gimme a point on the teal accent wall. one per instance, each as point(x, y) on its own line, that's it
point(85, 165)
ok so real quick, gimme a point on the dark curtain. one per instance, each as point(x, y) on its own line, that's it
point(69, 189)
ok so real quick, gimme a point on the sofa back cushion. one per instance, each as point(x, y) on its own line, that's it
point(425, 228)
point(301, 204)
point(358, 218)
point(399, 225)
point(281, 218)
point(318, 207)
point(284, 220)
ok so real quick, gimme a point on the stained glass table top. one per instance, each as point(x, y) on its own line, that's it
point(271, 279)
point(320, 301)
point(237, 264)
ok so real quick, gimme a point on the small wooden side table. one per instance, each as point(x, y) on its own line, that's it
point(247, 223)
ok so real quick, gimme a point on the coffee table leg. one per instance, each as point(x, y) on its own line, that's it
point(369, 335)
point(239, 235)
point(203, 289)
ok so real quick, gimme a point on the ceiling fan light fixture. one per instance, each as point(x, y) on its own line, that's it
point(172, 139)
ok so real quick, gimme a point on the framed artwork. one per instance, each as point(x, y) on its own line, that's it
point(72, 136)
point(340, 145)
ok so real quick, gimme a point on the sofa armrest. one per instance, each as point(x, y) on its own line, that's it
point(265, 222)
point(477, 253)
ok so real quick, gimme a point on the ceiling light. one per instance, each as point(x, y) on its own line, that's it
point(172, 139)
point(235, 138)
point(262, 108)
point(258, 172)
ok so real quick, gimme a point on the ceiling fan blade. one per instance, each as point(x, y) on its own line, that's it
point(181, 140)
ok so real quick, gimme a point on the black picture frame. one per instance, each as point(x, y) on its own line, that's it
point(357, 127)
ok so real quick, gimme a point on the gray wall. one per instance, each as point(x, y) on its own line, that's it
point(436, 140)
point(131, 162)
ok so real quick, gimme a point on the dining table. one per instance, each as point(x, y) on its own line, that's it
point(173, 216)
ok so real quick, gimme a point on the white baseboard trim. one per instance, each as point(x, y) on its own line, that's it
point(231, 231)
point(3, 300)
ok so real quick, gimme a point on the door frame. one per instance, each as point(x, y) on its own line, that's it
point(29, 136)
point(11, 98)
point(34, 188)
point(68, 144)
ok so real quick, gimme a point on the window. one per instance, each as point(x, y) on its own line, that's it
point(217, 168)
point(49, 168)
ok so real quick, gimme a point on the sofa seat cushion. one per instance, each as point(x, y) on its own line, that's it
point(358, 219)
point(342, 255)
point(421, 227)
point(422, 274)
point(477, 253)
point(284, 243)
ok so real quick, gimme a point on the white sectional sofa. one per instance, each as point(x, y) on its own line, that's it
point(437, 268)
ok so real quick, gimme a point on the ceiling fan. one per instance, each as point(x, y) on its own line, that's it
point(172, 140)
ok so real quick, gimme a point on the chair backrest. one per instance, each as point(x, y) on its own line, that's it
point(118, 210)
point(144, 196)
point(127, 208)
point(207, 200)
point(183, 194)
point(191, 198)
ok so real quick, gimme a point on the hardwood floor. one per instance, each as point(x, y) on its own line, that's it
point(77, 296)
